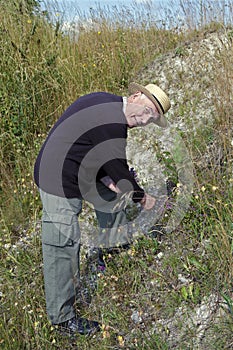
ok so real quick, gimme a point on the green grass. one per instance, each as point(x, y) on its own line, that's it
point(42, 72)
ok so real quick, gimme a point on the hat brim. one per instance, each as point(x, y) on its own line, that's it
point(161, 121)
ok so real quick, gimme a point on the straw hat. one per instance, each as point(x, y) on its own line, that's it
point(157, 96)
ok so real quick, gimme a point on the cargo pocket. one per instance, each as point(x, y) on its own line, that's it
point(60, 230)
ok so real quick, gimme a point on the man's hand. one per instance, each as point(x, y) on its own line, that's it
point(107, 181)
point(148, 202)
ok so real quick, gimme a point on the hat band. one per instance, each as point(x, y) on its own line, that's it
point(158, 103)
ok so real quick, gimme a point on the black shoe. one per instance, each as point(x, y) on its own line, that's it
point(78, 326)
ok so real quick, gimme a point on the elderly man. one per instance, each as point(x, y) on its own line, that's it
point(84, 158)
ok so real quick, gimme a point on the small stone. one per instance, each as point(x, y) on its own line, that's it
point(136, 318)
point(160, 255)
point(182, 279)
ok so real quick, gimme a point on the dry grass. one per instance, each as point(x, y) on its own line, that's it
point(42, 72)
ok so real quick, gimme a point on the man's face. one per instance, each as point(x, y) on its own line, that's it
point(140, 112)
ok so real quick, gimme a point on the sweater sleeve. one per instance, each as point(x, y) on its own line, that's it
point(113, 157)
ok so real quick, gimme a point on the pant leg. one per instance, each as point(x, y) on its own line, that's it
point(61, 249)
point(61, 280)
point(113, 228)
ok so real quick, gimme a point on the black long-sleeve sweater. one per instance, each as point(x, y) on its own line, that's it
point(86, 143)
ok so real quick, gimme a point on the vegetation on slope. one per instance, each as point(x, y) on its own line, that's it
point(43, 69)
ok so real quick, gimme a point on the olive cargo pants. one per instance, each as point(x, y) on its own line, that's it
point(61, 241)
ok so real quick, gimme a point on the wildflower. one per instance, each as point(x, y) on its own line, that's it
point(203, 189)
point(105, 329)
point(214, 188)
point(132, 251)
point(120, 340)
point(99, 32)
point(106, 334)
point(94, 65)
point(29, 21)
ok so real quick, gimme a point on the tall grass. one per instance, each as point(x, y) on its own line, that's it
point(45, 66)
point(44, 71)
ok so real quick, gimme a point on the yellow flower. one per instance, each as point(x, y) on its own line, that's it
point(203, 189)
point(132, 251)
point(120, 340)
point(106, 334)
point(99, 32)
point(29, 21)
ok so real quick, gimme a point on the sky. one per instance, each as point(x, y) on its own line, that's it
point(84, 5)
point(161, 10)
point(70, 9)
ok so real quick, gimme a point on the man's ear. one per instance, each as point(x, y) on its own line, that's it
point(137, 94)
point(134, 96)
